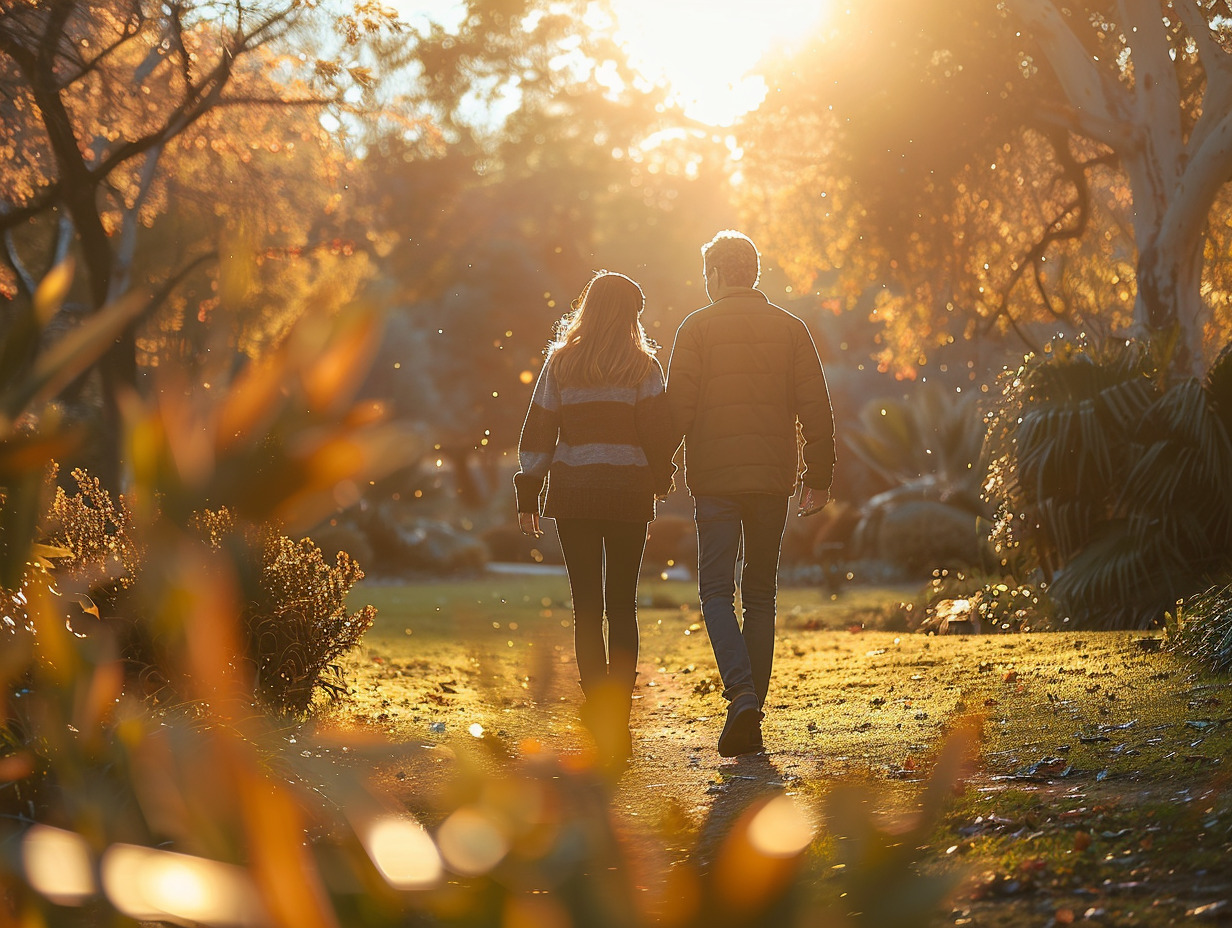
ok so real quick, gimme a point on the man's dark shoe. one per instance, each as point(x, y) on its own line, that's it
point(742, 730)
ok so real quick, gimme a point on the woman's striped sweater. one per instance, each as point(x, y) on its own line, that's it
point(605, 452)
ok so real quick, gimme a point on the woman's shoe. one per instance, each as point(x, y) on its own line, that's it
point(605, 713)
point(742, 730)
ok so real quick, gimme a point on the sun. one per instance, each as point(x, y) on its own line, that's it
point(707, 51)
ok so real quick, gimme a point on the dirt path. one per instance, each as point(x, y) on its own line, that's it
point(1100, 791)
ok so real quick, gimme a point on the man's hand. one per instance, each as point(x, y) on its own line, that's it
point(528, 522)
point(812, 501)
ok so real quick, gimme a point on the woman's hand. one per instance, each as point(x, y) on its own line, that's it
point(528, 522)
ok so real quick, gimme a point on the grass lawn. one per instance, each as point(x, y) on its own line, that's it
point(1100, 790)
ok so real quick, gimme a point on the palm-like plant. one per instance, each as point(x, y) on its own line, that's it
point(1110, 484)
point(927, 447)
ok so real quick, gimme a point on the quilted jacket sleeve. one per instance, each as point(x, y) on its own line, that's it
point(684, 375)
point(815, 414)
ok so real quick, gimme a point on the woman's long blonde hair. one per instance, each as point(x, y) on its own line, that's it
point(602, 341)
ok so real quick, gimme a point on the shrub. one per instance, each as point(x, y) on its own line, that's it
point(1204, 627)
point(1111, 485)
point(85, 545)
point(95, 534)
point(295, 620)
point(925, 447)
point(997, 603)
point(294, 626)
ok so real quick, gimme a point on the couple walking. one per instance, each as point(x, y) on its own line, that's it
point(601, 433)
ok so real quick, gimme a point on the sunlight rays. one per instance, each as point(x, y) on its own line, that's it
point(705, 50)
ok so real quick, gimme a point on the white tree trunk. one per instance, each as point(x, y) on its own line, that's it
point(1174, 181)
point(1170, 294)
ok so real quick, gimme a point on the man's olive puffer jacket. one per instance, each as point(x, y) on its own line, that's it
point(742, 372)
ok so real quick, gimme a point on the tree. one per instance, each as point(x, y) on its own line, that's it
point(265, 211)
point(99, 95)
point(1007, 165)
point(1170, 127)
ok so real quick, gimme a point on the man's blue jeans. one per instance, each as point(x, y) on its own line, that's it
point(745, 655)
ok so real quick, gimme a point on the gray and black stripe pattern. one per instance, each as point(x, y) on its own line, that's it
point(603, 452)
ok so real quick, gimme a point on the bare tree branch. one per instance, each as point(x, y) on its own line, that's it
point(1215, 61)
point(1056, 230)
point(176, 28)
point(26, 283)
point(1038, 275)
point(127, 246)
point(1096, 99)
point(137, 20)
point(199, 100)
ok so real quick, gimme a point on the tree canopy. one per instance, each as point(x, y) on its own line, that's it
point(1009, 166)
point(123, 111)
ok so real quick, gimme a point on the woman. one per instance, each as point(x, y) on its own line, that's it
point(599, 434)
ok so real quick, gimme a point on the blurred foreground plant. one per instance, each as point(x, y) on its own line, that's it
point(80, 747)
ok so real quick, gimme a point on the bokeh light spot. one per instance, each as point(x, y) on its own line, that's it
point(151, 885)
point(471, 843)
point(404, 853)
point(781, 828)
point(58, 864)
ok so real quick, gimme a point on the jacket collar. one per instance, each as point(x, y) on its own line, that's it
point(744, 292)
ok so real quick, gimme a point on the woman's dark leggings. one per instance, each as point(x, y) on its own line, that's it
point(603, 557)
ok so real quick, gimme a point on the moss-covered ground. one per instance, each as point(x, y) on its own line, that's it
point(1099, 795)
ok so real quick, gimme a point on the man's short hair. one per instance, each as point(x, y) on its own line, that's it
point(736, 257)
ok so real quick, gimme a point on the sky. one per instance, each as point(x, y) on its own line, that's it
point(703, 49)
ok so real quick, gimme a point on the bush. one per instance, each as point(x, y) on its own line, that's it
point(1112, 487)
point(925, 447)
point(1204, 627)
point(294, 620)
point(95, 534)
point(294, 625)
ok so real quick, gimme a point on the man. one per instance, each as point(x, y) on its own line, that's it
point(742, 373)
